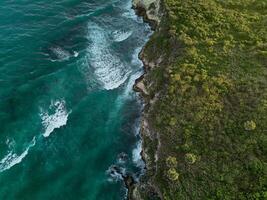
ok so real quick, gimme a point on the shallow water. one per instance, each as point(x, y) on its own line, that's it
point(67, 108)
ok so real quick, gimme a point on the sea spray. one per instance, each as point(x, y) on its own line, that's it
point(55, 117)
point(108, 68)
point(12, 158)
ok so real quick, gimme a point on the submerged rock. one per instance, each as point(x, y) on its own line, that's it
point(122, 157)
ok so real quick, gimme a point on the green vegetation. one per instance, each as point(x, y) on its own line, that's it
point(211, 113)
point(171, 161)
point(190, 158)
point(172, 174)
point(249, 125)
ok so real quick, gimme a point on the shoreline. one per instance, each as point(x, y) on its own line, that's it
point(195, 107)
point(133, 188)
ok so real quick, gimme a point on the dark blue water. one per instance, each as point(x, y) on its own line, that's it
point(67, 109)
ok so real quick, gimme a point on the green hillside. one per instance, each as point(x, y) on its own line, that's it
point(210, 93)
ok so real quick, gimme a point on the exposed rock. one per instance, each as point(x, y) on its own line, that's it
point(129, 182)
point(150, 10)
point(139, 86)
point(117, 172)
point(122, 157)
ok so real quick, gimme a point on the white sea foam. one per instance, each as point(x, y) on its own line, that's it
point(13, 158)
point(135, 59)
point(116, 173)
point(127, 94)
point(109, 70)
point(129, 88)
point(129, 12)
point(121, 35)
point(122, 158)
point(128, 15)
point(60, 53)
point(75, 54)
point(10, 142)
point(136, 155)
point(56, 119)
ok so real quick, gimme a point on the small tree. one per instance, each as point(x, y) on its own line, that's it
point(172, 174)
point(172, 122)
point(249, 125)
point(190, 158)
point(171, 161)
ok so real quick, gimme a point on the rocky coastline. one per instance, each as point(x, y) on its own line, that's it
point(196, 107)
point(151, 12)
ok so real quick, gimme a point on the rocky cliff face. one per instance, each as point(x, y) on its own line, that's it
point(150, 10)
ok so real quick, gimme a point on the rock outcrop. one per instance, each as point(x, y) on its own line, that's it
point(150, 10)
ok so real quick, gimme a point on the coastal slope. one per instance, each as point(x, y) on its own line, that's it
point(204, 126)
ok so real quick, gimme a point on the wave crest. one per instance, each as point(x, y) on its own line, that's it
point(109, 70)
point(58, 53)
point(120, 35)
point(56, 119)
point(13, 158)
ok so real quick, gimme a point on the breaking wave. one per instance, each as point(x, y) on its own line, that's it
point(121, 35)
point(55, 119)
point(136, 155)
point(129, 12)
point(116, 173)
point(109, 70)
point(75, 54)
point(60, 54)
point(13, 158)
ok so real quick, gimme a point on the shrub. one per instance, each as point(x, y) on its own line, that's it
point(250, 125)
point(185, 147)
point(255, 166)
point(171, 161)
point(190, 158)
point(172, 174)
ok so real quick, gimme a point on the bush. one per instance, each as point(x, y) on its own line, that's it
point(171, 161)
point(172, 174)
point(250, 125)
point(190, 158)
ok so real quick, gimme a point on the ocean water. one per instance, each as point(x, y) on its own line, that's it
point(68, 113)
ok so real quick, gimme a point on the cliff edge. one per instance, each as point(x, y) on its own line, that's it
point(205, 89)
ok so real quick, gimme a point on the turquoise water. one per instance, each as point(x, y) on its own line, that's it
point(67, 109)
